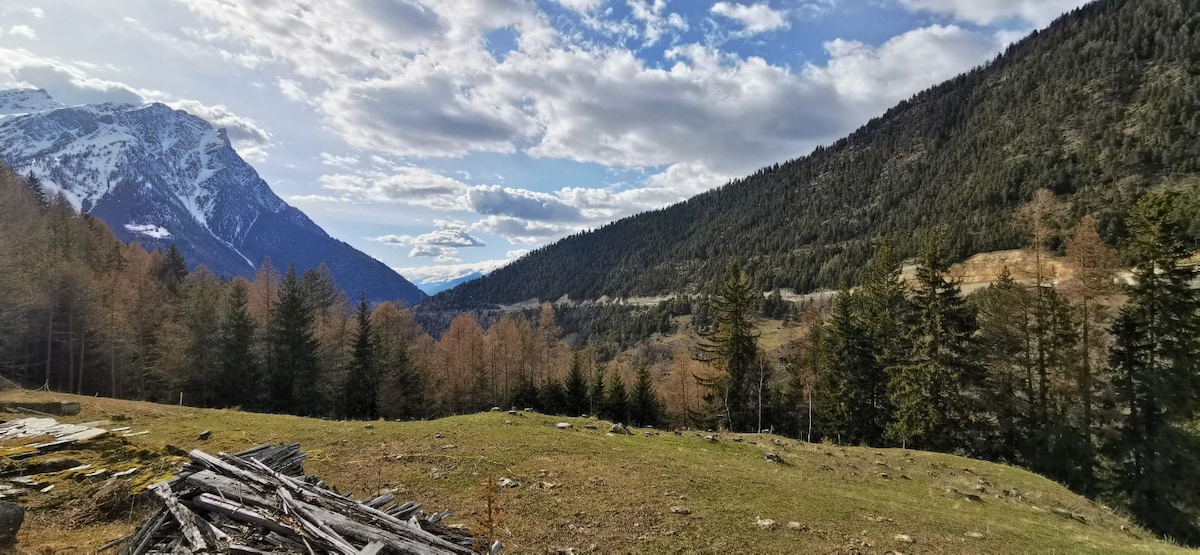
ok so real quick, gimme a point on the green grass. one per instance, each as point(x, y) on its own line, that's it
point(582, 488)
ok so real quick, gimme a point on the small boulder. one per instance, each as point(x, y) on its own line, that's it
point(903, 538)
point(975, 535)
point(681, 510)
point(796, 526)
point(773, 458)
point(11, 518)
point(619, 429)
point(764, 523)
point(495, 409)
point(507, 483)
point(205, 435)
point(711, 438)
point(563, 425)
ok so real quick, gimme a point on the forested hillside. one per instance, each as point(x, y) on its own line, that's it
point(1099, 107)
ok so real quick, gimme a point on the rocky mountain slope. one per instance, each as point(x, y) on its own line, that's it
point(160, 176)
point(1099, 107)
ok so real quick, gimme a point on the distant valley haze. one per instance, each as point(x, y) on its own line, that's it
point(447, 138)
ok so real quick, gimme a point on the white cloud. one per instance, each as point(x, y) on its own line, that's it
point(406, 184)
point(23, 31)
point(876, 77)
point(293, 90)
point(581, 6)
point(655, 20)
point(755, 18)
point(442, 273)
point(37, 12)
point(986, 12)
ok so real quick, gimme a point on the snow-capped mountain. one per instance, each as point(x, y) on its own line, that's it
point(160, 176)
point(26, 101)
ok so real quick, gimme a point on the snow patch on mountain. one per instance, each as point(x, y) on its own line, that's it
point(26, 101)
point(149, 230)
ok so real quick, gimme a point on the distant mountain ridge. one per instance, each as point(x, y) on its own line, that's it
point(1099, 107)
point(161, 176)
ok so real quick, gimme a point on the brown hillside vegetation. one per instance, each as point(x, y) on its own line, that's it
point(651, 491)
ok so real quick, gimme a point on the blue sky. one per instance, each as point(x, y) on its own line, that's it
point(448, 136)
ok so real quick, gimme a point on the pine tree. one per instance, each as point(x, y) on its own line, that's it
point(1156, 361)
point(362, 386)
point(845, 351)
point(35, 188)
point(576, 387)
point(239, 380)
point(294, 376)
point(645, 408)
point(932, 387)
point(596, 391)
point(616, 400)
point(172, 270)
point(732, 347)
point(1003, 326)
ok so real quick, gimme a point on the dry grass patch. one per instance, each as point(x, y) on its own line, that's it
point(585, 489)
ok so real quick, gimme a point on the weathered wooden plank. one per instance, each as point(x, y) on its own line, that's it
point(314, 526)
point(183, 516)
point(372, 548)
point(243, 513)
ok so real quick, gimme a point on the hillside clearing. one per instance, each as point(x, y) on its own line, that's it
point(646, 492)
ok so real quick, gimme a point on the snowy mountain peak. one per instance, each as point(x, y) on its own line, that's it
point(162, 176)
point(26, 101)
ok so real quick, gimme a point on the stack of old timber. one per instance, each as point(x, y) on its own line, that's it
point(259, 501)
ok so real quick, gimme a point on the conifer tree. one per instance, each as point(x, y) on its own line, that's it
point(239, 374)
point(645, 408)
point(35, 188)
point(596, 391)
point(362, 385)
point(932, 385)
point(731, 346)
point(576, 387)
point(1156, 361)
point(172, 270)
point(294, 377)
point(616, 400)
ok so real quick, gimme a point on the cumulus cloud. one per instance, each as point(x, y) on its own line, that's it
point(522, 232)
point(23, 31)
point(755, 18)
point(876, 77)
point(494, 200)
point(442, 244)
point(581, 6)
point(655, 20)
point(406, 184)
point(985, 12)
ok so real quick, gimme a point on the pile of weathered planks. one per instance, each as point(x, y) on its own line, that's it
point(259, 501)
point(52, 435)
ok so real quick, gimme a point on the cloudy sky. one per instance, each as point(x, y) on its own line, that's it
point(447, 135)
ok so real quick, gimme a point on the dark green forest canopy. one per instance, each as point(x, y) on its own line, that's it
point(1100, 107)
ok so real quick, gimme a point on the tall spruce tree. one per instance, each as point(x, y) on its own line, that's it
point(294, 376)
point(239, 382)
point(933, 387)
point(731, 346)
point(845, 350)
point(362, 385)
point(576, 387)
point(616, 400)
point(1156, 362)
point(645, 408)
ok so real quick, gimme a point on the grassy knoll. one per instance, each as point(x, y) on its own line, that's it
point(583, 488)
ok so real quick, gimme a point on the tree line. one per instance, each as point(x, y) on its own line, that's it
point(85, 313)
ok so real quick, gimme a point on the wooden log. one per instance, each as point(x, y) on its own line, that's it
point(314, 525)
point(372, 548)
point(242, 513)
point(143, 539)
point(186, 519)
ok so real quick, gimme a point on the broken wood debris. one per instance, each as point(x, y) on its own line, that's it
point(59, 436)
point(260, 501)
